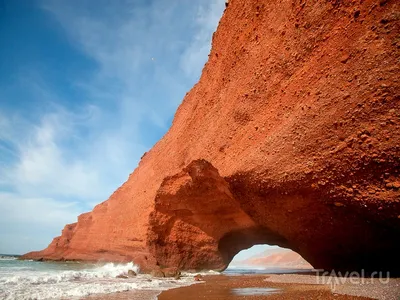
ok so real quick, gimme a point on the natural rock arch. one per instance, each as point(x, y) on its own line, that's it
point(298, 109)
point(202, 220)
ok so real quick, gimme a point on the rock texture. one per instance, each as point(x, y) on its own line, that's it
point(291, 137)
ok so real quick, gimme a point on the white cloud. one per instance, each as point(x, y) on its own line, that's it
point(47, 165)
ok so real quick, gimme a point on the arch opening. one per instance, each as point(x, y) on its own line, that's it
point(268, 258)
point(235, 241)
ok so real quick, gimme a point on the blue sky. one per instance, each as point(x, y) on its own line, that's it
point(86, 87)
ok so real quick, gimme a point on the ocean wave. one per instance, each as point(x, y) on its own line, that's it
point(65, 291)
point(8, 257)
point(74, 284)
point(109, 270)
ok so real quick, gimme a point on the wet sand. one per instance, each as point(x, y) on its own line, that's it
point(373, 288)
point(251, 287)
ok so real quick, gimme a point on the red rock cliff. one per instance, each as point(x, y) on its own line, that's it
point(291, 137)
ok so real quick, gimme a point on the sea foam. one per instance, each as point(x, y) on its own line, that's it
point(42, 282)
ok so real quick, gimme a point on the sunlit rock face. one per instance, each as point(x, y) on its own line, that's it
point(291, 137)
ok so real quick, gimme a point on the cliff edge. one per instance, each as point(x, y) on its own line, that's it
point(291, 137)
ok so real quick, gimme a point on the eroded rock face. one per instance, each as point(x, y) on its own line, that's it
point(195, 215)
point(291, 137)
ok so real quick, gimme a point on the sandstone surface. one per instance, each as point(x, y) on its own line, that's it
point(290, 138)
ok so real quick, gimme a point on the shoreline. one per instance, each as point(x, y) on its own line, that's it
point(253, 287)
point(132, 295)
point(269, 283)
point(265, 286)
point(284, 286)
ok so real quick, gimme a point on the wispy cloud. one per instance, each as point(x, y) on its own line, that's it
point(45, 165)
point(192, 60)
point(75, 149)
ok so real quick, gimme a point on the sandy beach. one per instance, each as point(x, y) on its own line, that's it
point(267, 286)
point(250, 287)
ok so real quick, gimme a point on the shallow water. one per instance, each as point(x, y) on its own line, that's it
point(255, 291)
point(233, 270)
